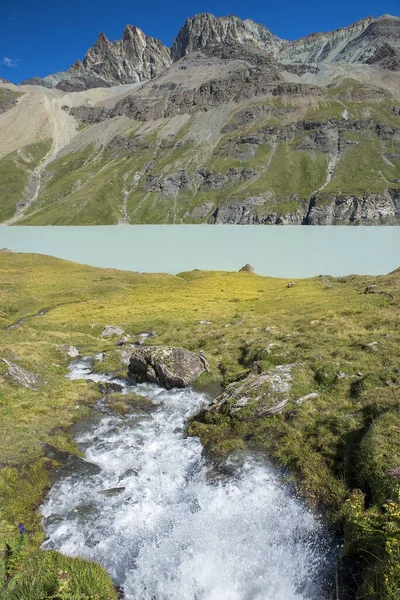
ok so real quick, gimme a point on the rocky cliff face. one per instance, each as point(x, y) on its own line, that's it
point(204, 30)
point(138, 57)
point(134, 58)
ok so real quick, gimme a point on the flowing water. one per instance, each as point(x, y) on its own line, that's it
point(169, 526)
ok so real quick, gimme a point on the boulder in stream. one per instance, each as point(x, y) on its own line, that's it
point(167, 367)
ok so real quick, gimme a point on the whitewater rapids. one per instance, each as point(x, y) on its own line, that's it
point(168, 526)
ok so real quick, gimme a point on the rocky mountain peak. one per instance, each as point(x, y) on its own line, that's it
point(205, 29)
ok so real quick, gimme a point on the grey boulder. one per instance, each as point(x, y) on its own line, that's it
point(167, 367)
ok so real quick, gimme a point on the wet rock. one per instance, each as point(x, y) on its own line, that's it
point(248, 268)
point(124, 340)
point(167, 367)
point(69, 463)
point(111, 330)
point(110, 492)
point(20, 376)
point(108, 387)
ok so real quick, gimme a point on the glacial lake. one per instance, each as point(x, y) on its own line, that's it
point(289, 251)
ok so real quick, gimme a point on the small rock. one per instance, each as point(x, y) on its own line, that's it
point(123, 340)
point(394, 473)
point(291, 284)
point(371, 289)
point(311, 396)
point(373, 346)
point(328, 287)
point(340, 375)
point(247, 268)
point(100, 356)
point(359, 374)
point(314, 322)
point(20, 376)
point(111, 330)
point(70, 351)
point(205, 322)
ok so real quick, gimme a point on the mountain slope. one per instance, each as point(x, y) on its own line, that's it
point(239, 127)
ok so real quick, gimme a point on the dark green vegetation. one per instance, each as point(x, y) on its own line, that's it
point(342, 447)
point(272, 155)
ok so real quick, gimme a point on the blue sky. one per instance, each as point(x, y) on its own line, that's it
point(39, 37)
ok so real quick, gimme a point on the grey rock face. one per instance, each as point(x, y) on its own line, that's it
point(203, 30)
point(248, 268)
point(134, 58)
point(167, 367)
point(372, 209)
point(262, 395)
point(20, 375)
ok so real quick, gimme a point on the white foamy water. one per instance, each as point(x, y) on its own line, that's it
point(168, 530)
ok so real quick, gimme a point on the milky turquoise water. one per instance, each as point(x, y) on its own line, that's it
point(272, 250)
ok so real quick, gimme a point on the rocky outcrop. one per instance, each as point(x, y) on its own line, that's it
point(238, 87)
point(8, 99)
point(136, 57)
point(20, 376)
point(260, 395)
point(371, 209)
point(204, 30)
point(167, 367)
point(247, 268)
point(6, 105)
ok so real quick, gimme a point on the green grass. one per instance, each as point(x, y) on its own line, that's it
point(345, 440)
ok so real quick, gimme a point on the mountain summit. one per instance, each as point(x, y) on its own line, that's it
point(138, 57)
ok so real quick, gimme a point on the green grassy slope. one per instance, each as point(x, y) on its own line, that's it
point(341, 447)
point(107, 185)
